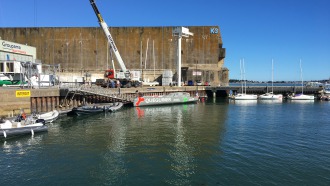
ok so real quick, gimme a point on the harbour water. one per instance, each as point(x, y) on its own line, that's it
point(218, 142)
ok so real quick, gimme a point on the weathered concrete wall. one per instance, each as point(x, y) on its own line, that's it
point(10, 104)
point(85, 49)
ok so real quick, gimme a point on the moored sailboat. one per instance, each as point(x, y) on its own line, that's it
point(271, 95)
point(301, 96)
point(243, 95)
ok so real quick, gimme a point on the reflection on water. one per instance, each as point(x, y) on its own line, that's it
point(211, 143)
point(160, 111)
point(160, 142)
point(16, 162)
point(301, 101)
point(280, 137)
point(114, 165)
point(243, 102)
point(21, 146)
point(276, 101)
point(182, 154)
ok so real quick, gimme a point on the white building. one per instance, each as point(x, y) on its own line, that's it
point(18, 63)
point(17, 58)
point(10, 51)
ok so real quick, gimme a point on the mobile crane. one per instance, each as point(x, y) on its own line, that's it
point(124, 76)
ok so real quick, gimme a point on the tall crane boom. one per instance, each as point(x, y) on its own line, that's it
point(104, 26)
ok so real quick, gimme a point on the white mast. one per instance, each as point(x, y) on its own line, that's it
point(240, 67)
point(272, 76)
point(145, 61)
point(302, 81)
point(244, 75)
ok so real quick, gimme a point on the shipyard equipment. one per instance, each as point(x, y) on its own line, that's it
point(124, 75)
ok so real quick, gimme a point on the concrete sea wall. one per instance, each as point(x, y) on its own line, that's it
point(41, 100)
point(85, 49)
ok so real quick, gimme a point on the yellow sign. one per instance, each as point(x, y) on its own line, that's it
point(23, 93)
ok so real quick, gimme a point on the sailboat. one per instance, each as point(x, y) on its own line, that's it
point(243, 95)
point(271, 95)
point(301, 96)
point(146, 82)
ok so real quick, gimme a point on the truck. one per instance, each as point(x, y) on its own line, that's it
point(124, 75)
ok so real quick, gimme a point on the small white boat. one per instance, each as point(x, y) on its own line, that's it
point(22, 127)
point(327, 88)
point(49, 116)
point(116, 106)
point(270, 96)
point(300, 97)
point(244, 97)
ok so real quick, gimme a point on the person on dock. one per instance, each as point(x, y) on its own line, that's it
point(118, 83)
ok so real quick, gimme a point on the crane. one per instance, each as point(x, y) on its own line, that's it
point(124, 75)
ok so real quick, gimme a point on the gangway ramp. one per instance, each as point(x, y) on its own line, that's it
point(111, 95)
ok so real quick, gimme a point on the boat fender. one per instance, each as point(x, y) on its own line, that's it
point(32, 132)
point(4, 134)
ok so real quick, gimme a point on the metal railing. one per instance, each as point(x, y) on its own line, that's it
point(114, 93)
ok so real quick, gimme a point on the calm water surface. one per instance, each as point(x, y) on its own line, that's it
point(218, 142)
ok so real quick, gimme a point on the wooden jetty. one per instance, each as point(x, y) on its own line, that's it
point(83, 94)
point(65, 98)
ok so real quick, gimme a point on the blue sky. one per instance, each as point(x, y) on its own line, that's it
point(256, 30)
